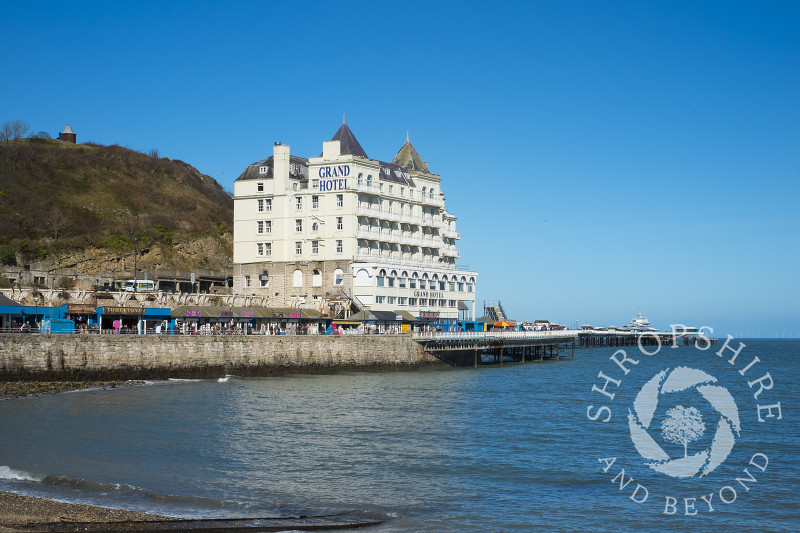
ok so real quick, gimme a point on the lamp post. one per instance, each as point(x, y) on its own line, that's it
point(36, 312)
point(135, 257)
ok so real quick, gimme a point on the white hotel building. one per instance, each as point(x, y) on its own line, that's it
point(342, 232)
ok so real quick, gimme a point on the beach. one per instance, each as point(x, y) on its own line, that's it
point(16, 510)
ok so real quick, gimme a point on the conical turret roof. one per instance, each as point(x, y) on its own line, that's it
point(409, 158)
point(348, 144)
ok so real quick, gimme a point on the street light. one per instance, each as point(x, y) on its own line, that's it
point(36, 312)
point(135, 257)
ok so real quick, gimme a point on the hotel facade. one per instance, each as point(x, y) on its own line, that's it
point(343, 232)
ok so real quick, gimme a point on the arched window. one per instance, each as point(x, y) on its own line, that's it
point(423, 191)
point(369, 180)
point(338, 276)
point(297, 280)
point(362, 278)
point(360, 178)
point(316, 279)
point(430, 193)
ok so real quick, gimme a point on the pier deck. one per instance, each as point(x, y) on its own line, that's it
point(482, 347)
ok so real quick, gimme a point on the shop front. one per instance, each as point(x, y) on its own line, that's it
point(84, 316)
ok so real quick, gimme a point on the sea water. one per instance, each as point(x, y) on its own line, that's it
point(511, 448)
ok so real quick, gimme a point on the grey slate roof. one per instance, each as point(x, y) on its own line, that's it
point(348, 144)
point(4, 300)
point(409, 158)
point(68, 129)
point(298, 169)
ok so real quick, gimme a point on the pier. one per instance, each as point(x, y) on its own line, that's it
point(473, 348)
point(602, 338)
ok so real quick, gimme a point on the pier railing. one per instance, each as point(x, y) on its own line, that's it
point(478, 335)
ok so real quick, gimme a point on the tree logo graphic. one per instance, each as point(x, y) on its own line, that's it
point(683, 425)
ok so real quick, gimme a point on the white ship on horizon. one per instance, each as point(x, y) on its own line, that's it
point(638, 323)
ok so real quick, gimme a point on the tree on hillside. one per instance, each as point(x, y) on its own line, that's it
point(683, 426)
point(13, 130)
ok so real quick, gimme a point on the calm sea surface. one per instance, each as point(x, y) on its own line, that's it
point(492, 449)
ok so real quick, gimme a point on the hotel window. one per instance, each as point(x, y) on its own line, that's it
point(339, 223)
point(369, 181)
point(424, 189)
point(247, 281)
point(339, 247)
point(430, 193)
point(380, 280)
point(392, 300)
point(260, 227)
point(314, 226)
point(263, 170)
point(402, 191)
point(412, 301)
point(268, 205)
point(460, 287)
point(411, 193)
point(268, 249)
point(260, 186)
point(298, 225)
point(298, 202)
point(260, 206)
point(391, 281)
point(314, 247)
point(380, 299)
point(260, 249)
point(338, 276)
point(315, 202)
point(380, 187)
point(315, 184)
point(360, 178)
point(390, 189)
point(402, 283)
point(339, 200)
point(451, 303)
point(267, 226)
point(442, 303)
point(422, 283)
point(402, 300)
point(298, 248)
point(452, 286)
point(441, 285)
point(390, 206)
point(412, 283)
point(469, 287)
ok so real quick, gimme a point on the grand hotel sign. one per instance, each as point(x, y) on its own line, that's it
point(333, 177)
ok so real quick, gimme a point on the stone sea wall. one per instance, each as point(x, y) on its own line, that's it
point(117, 357)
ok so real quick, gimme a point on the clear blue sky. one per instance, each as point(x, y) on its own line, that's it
point(602, 157)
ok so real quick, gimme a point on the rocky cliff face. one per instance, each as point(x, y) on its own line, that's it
point(92, 209)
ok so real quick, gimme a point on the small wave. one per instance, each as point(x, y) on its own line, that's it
point(183, 380)
point(226, 378)
point(6, 472)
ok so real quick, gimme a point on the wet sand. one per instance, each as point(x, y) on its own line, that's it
point(16, 510)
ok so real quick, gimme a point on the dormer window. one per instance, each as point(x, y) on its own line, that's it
point(263, 169)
